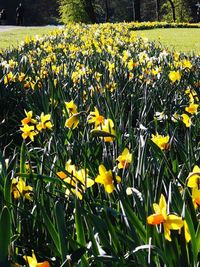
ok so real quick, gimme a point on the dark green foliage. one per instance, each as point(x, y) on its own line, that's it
point(176, 11)
point(73, 11)
point(37, 12)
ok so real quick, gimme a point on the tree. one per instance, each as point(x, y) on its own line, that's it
point(176, 10)
point(89, 9)
point(40, 12)
point(37, 12)
point(99, 10)
point(77, 11)
point(173, 10)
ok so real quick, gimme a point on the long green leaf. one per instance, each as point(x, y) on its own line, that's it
point(60, 222)
point(52, 231)
point(80, 230)
point(5, 234)
point(197, 235)
point(23, 158)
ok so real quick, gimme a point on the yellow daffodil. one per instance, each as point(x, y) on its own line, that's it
point(108, 127)
point(174, 76)
point(196, 197)
point(131, 64)
point(29, 83)
point(70, 168)
point(186, 120)
point(28, 118)
point(32, 261)
point(169, 221)
point(45, 122)
point(161, 141)
point(111, 66)
point(124, 159)
point(71, 107)
point(186, 232)
point(12, 63)
point(111, 86)
point(95, 117)
point(106, 178)
point(192, 108)
point(186, 64)
point(191, 94)
point(28, 131)
point(9, 77)
point(78, 179)
point(193, 179)
point(73, 121)
point(193, 97)
point(21, 76)
point(19, 188)
point(176, 56)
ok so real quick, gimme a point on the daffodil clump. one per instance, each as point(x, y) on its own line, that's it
point(102, 168)
point(31, 127)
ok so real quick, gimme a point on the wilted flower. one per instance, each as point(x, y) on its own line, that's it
point(160, 116)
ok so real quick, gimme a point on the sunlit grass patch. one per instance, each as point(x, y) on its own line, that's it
point(175, 39)
point(11, 38)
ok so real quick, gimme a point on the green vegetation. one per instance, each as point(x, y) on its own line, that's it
point(176, 10)
point(76, 11)
point(99, 151)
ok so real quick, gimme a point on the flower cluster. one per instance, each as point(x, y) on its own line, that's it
point(31, 127)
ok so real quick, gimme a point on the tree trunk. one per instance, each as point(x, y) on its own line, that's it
point(157, 10)
point(90, 10)
point(173, 10)
point(137, 10)
point(107, 11)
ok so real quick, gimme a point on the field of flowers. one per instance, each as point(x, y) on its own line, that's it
point(100, 153)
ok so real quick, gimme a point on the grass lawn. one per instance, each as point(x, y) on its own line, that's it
point(11, 38)
point(181, 40)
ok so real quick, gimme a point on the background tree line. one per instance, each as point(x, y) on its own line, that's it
point(40, 12)
point(37, 12)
